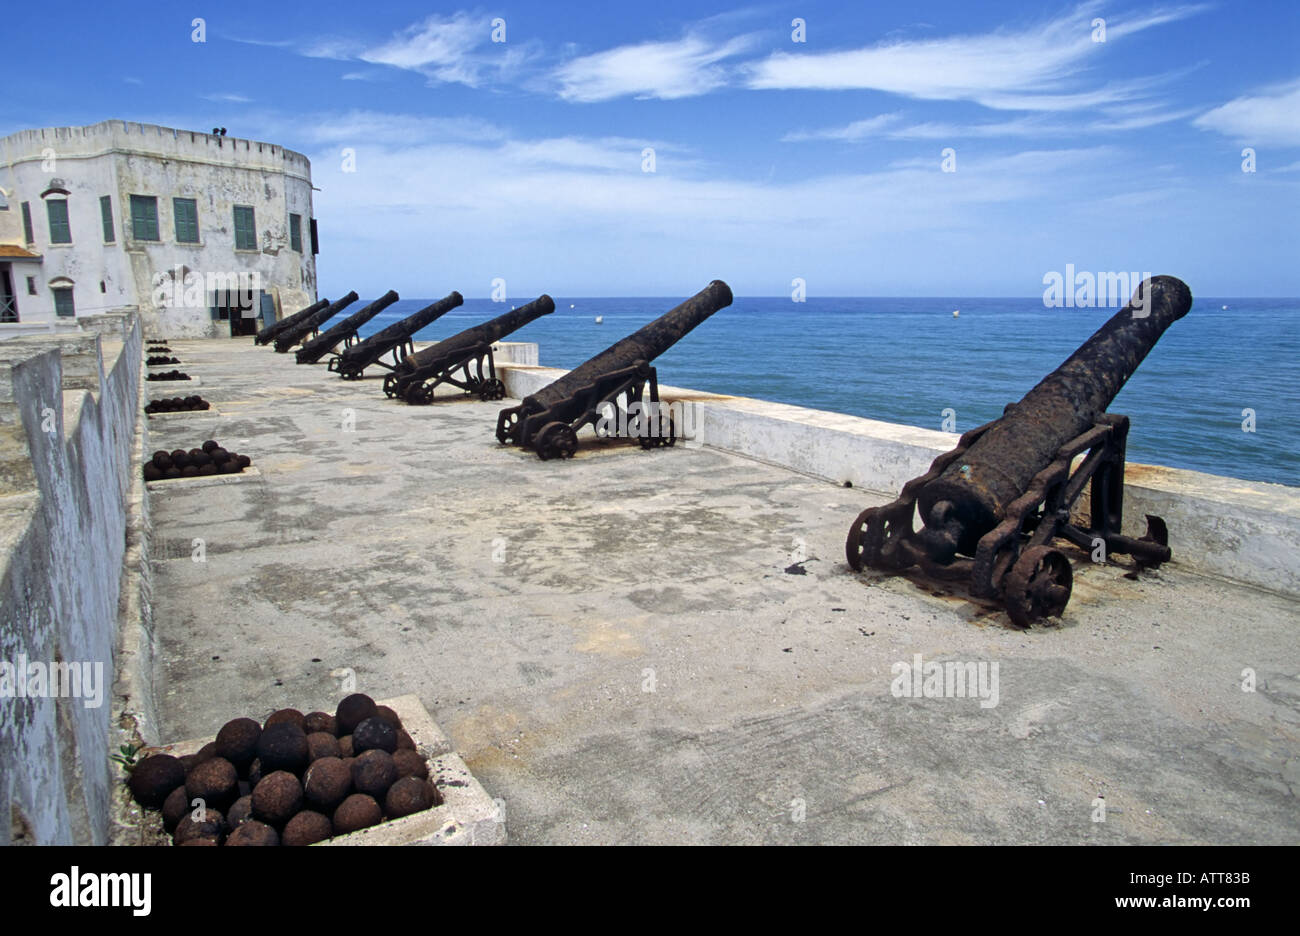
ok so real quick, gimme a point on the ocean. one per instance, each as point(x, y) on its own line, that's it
point(908, 360)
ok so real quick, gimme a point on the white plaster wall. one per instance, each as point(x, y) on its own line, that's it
point(61, 568)
point(120, 158)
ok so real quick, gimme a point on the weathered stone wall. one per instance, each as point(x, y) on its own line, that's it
point(69, 408)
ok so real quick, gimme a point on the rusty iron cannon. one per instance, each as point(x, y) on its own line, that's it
point(344, 332)
point(296, 333)
point(267, 334)
point(464, 360)
point(990, 508)
point(395, 339)
point(548, 420)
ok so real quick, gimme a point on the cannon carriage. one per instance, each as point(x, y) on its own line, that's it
point(619, 378)
point(465, 360)
point(397, 339)
point(991, 507)
point(345, 332)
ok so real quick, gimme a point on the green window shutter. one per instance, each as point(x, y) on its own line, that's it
point(60, 232)
point(186, 211)
point(245, 228)
point(27, 223)
point(144, 217)
point(63, 305)
point(295, 232)
point(106, 212)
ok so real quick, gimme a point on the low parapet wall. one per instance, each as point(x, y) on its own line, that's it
point(1244, 531)
point(68, 412)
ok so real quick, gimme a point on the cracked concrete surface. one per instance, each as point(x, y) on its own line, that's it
point(534, 606)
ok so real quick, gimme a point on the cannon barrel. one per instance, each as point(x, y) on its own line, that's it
point(315, 349)
point(270, 331)
point(486, 333)
point(378, 344)
point(645, 344)
point(968, 498)
point(295, 333)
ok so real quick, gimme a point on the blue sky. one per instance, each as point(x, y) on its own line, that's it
point(773, 159)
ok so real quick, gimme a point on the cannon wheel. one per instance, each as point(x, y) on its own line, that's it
point(350, 373)
point(419, 394)
point(1038, 585)
point(656, 439)
point(390, 385)
point(492, 389)
point(556, 440)
point(865, 546)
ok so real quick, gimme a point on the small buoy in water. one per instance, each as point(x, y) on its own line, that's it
point(600, 319)
point(570, 305)
point(956, 313)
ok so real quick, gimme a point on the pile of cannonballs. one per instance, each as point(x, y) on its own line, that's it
point(158, 345)
point(208, 459)
point(296, 780)
point(177, 405)
point(155, 361)
point(169, 375)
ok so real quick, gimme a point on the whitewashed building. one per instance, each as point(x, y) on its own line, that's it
point(207, 235)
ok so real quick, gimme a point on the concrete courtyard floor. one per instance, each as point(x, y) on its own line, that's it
point(625, 648)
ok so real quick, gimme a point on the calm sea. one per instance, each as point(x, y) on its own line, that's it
point(907, 360)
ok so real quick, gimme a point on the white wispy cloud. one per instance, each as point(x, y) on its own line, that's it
point(1033, 68)
point(1033, 126)
point(227, 98)
point(1269, 117)
point(680, 68)
point(456, 48)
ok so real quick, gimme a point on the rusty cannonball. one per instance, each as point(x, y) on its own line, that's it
point(345, 746)
point(410, 764)
point(172, 472)
point(212, 825)
point(373, 772)
point(215, 781)
point(209, 445)
point(237, 742)
point(174, 808)
point(207, 752)
point(253, 832)
point(201, 841)
point(352, 711)
point(404, 740)
point(151, 472)
point(314, 722)
point(388, 715)
point(289, 716)
point(327, 783)
point(277, 798)
point(208, 469)
point(282, 746)
point(406, 796)
point(190, 471)
point(241, 812)
point(244, 461)
point(307, 828)
point(320, 744)
point(374, 734)
point(154, 778)
point(358, 811)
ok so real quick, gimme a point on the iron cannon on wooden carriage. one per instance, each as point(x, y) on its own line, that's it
point(397, 339)
point(990, 508)
point(296, 333)
point(616, 379)
point(345, 332)
point(267, 334)
point(464, 360)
